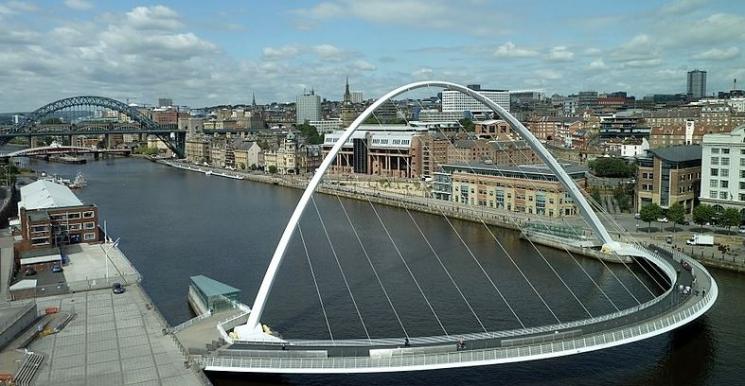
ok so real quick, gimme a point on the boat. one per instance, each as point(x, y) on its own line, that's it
point(79, 182)
point(226, 175)
point(208, 172)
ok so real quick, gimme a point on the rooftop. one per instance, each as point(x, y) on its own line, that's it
point(678, 153)
point(521, 169)
point(212, 287)
point(44, 194)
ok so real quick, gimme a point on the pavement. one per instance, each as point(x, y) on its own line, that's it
point(113, 340)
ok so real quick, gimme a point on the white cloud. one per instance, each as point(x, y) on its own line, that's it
point(280, 53)
point(363, 65)
point(329, 52)
point(597, 64)
point(548, 74)
point(560, 54)
point(422, 73)
point(718, 54)
point(158, 17)
point(640, 51)
point(80, 5)
point(677, 7)
point(509, 50)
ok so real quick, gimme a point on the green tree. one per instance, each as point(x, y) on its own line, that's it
point(467, 124)
point(676, 213)
point(703, 214)
point(649, 213)
point(272, 169)
point(311, 133)
point(730, 218)
point(611, 167)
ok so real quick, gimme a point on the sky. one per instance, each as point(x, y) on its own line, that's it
point(204, 53)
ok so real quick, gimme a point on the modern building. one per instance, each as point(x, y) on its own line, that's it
point(51, 215)
point(530, 189)
point(308, 107)
point(165, 102)
point(327, 125)
point(669, 175)
point(455, 101)
point(357, 97)
point(696, 86)
point(623, 127)
point(723, 169)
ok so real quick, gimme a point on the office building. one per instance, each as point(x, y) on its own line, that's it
point(50, 215)
point(669, 175)
point(308, 107)
point(723, 169)
point(455, 101)
point(696, 84)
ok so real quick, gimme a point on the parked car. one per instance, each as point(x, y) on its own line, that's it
point(29, 272)
point(57, 268)
point(742, 229)
point(637, 215)
point(663, 219)
point(117, 288)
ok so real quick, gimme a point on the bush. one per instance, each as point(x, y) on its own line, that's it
point(612, 167)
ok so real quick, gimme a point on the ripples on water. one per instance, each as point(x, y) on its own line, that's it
point(175, 224)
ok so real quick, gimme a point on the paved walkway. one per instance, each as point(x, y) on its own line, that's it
point(113, 340)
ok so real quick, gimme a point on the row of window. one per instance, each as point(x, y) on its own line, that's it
point(71, 216)
point(36, 241)
point(715, 150)
point(724, 184)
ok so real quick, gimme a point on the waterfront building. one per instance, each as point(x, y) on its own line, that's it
point(308, 107)
point(50, 215)
point(723, 169)
point(284, 157)
point(530, 189)
point(669, 175)
point(696, 85)
point(248, 155)
point(198, 149)
point(455, 101)
point(623, 127)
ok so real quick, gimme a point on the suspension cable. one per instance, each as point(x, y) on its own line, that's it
point(315, 284)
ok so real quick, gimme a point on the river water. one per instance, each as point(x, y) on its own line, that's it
point(174, 224)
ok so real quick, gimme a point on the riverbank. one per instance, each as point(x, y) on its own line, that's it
point(490, 216)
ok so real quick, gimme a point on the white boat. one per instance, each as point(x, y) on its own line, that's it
point(208, 172)
point(79, 182)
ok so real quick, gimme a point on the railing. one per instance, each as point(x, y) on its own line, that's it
point(189, 322)
point(564, 345)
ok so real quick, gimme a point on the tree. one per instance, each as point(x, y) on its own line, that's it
point(703, 214)
point(730, 218)
point(311, 133)
point(467, 124)
point(611, 167)
point(241, 166)
point(272, 169)
point(649, 213)
point(676, 213)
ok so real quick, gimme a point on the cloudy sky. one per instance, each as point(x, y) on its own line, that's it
point(206, 53)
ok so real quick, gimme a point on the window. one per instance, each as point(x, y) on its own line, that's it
point(40, 241)
point(715, 160)
point(742, 185)
point(89, 236)
point(723, 195)
point(39, 229)
point(90, 225)
point(724, 173)
point(725, 151)
point(714, 184)
point(73, 216)
point(742, 173)
point(714, 150)
point(714, 172)
point(742, 161)
point(713, 194)
point(725, 161)
point(75, 227)
point(742, 197)
point(725, 184)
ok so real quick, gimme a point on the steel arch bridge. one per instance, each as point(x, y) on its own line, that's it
point(258, 352)
point(31, 125)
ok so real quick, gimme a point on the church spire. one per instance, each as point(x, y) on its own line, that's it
point(253, 101)
point(347, 94)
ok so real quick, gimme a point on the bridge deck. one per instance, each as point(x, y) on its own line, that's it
point(388, 355)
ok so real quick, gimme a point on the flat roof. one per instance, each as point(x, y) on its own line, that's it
point(522, 169)
point(23, 284)
point(47, 194)
point(678, 153)
point(41, 259)
point(212, 287)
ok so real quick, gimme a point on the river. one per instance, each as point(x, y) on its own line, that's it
point(173, 224)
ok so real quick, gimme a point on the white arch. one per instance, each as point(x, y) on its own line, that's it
point(252, 326)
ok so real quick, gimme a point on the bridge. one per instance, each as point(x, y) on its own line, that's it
point(60, 149)
point(687, 291)
point(34, 124)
